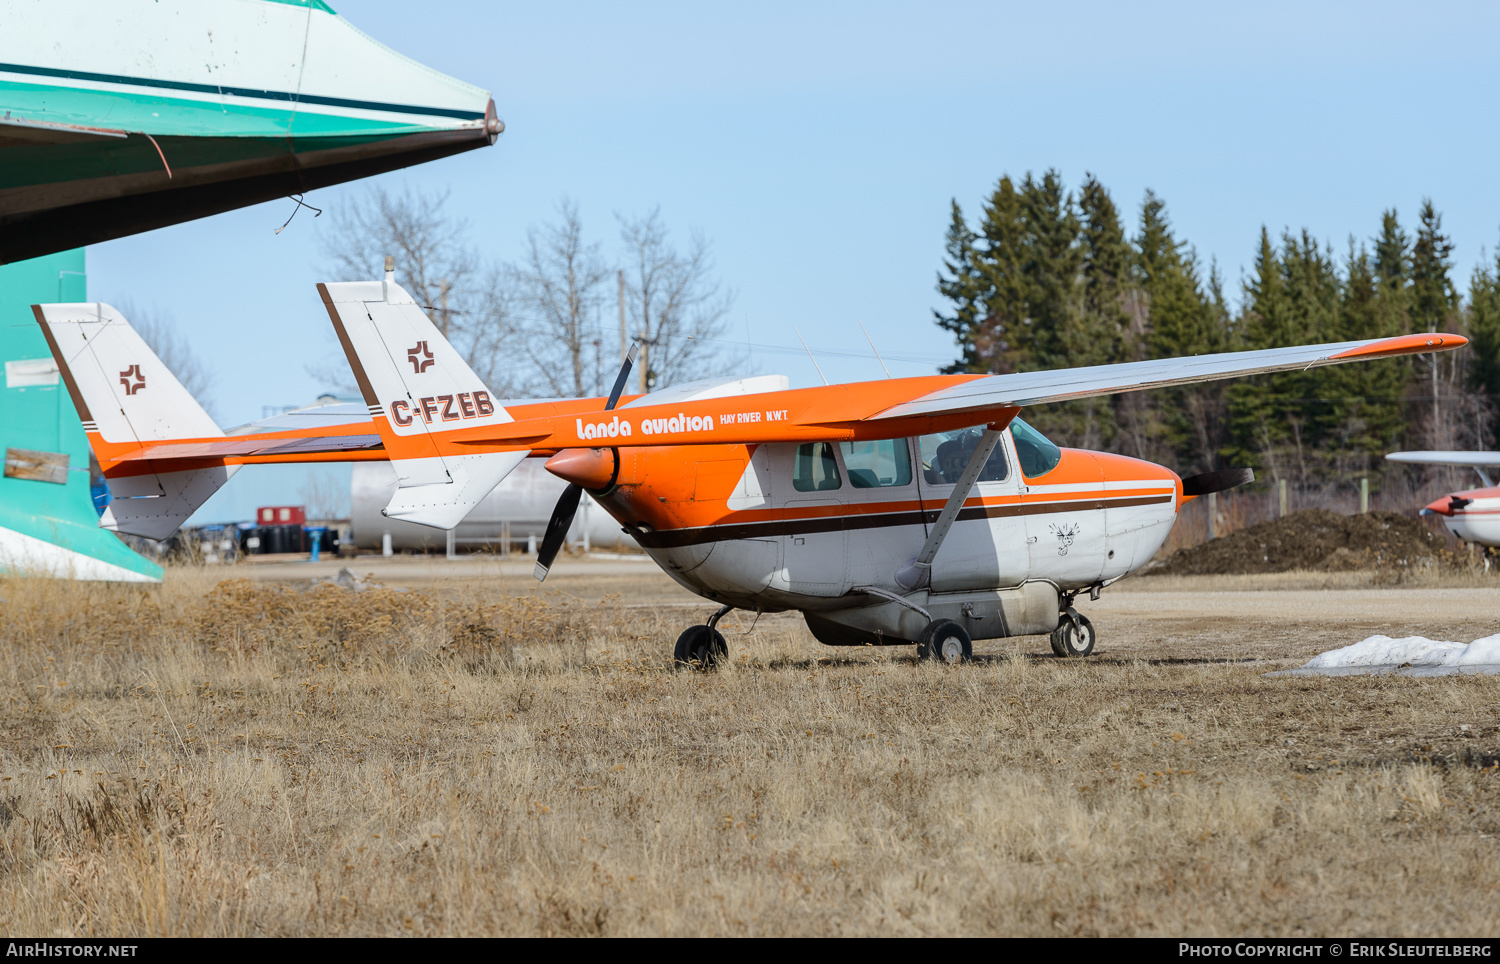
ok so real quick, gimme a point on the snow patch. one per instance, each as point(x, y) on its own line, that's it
point(1409, 655)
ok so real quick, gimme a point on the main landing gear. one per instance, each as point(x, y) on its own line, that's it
point(702, 647)
point(946, 642)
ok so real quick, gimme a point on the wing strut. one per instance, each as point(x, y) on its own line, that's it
point(917, 572)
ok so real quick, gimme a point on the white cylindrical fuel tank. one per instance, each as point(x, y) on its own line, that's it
point(522, 503)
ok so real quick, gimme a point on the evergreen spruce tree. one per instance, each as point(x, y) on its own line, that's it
point(1181, 321)
point(1098, 329)
point(1364, 417)
point(1433, 297)
point(1255, 430)
point(1052, 262)
point(1433, 301)
point(1484, 349)
point(1053, 265)
point(962, 282)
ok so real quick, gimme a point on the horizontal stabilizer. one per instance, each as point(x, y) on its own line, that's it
point(444, 505)
point(155, 505)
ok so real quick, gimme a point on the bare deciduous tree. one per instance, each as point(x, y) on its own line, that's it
point(469, 302)
point(676, 307)
point(561, 285)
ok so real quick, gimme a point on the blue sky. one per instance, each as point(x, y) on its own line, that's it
point(818, 146)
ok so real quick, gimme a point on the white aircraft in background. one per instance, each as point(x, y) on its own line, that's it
point(1472, 515)
point(908, 510)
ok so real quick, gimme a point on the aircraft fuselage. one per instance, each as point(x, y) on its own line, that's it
point(815, 527)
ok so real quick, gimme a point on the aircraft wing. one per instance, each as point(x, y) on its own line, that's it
point(901, 406)
point(1035, 388)
point(1476, 460)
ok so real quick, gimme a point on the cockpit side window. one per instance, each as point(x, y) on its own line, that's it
point(815, 468)
point(945, 454)
point(877, 464)
point(1035, 451)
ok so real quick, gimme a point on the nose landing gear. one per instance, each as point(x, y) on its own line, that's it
point(702, 647)
point(1074, 635)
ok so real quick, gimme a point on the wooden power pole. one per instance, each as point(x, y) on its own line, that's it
point(624, 344)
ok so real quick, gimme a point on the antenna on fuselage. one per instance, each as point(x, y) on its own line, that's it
point(873, 348)
point(810, 355)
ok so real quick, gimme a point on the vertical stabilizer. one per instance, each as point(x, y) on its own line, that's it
point(417, 387)
point(126, 397)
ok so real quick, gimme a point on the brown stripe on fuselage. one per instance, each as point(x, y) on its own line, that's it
point(677, 538)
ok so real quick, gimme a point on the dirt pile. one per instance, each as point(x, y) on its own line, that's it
point(1317, 540)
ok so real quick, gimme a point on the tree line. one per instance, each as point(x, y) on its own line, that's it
point(1045, 277)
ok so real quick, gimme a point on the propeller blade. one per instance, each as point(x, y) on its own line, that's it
point(557, 530)
point(614, 393)
point(567, 504)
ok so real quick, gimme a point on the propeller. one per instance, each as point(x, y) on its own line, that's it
point(567, 504)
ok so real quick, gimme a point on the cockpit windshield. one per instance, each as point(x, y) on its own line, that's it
point(1034, 451)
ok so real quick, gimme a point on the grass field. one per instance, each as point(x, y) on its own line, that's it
point(468, 758)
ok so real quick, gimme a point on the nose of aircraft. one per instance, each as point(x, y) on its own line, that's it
point(1447, 505)
point(590, 468)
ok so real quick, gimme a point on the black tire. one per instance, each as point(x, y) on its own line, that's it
point(945, 641)
point(700, 647)
point(1074, 635)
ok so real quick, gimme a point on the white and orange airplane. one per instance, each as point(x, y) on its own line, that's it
point(908, 510)
point(1473, 515)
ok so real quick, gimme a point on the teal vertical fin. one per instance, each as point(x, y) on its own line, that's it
point(49, 526)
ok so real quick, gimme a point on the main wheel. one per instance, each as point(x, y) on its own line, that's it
point(1074, 635)
point(702, 647)
point(946, 641)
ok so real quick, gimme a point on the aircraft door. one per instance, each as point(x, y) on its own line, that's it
point(813, 545)
point(986, 548)
point(884, 519)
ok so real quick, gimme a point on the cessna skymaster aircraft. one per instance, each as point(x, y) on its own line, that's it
point(1473, 514)
point(911, 510)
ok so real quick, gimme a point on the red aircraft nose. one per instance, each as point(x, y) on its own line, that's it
point(590, 468)
point(1448, 505)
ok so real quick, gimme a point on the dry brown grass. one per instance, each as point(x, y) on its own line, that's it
point(245, 759)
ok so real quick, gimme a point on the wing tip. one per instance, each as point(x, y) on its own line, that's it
point(1404, 345)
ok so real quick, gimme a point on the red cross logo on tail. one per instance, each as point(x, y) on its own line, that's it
point(419, 365)
point(132, 379)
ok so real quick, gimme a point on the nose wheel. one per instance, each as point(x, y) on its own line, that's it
point(702, 647)
point(1074, 635)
